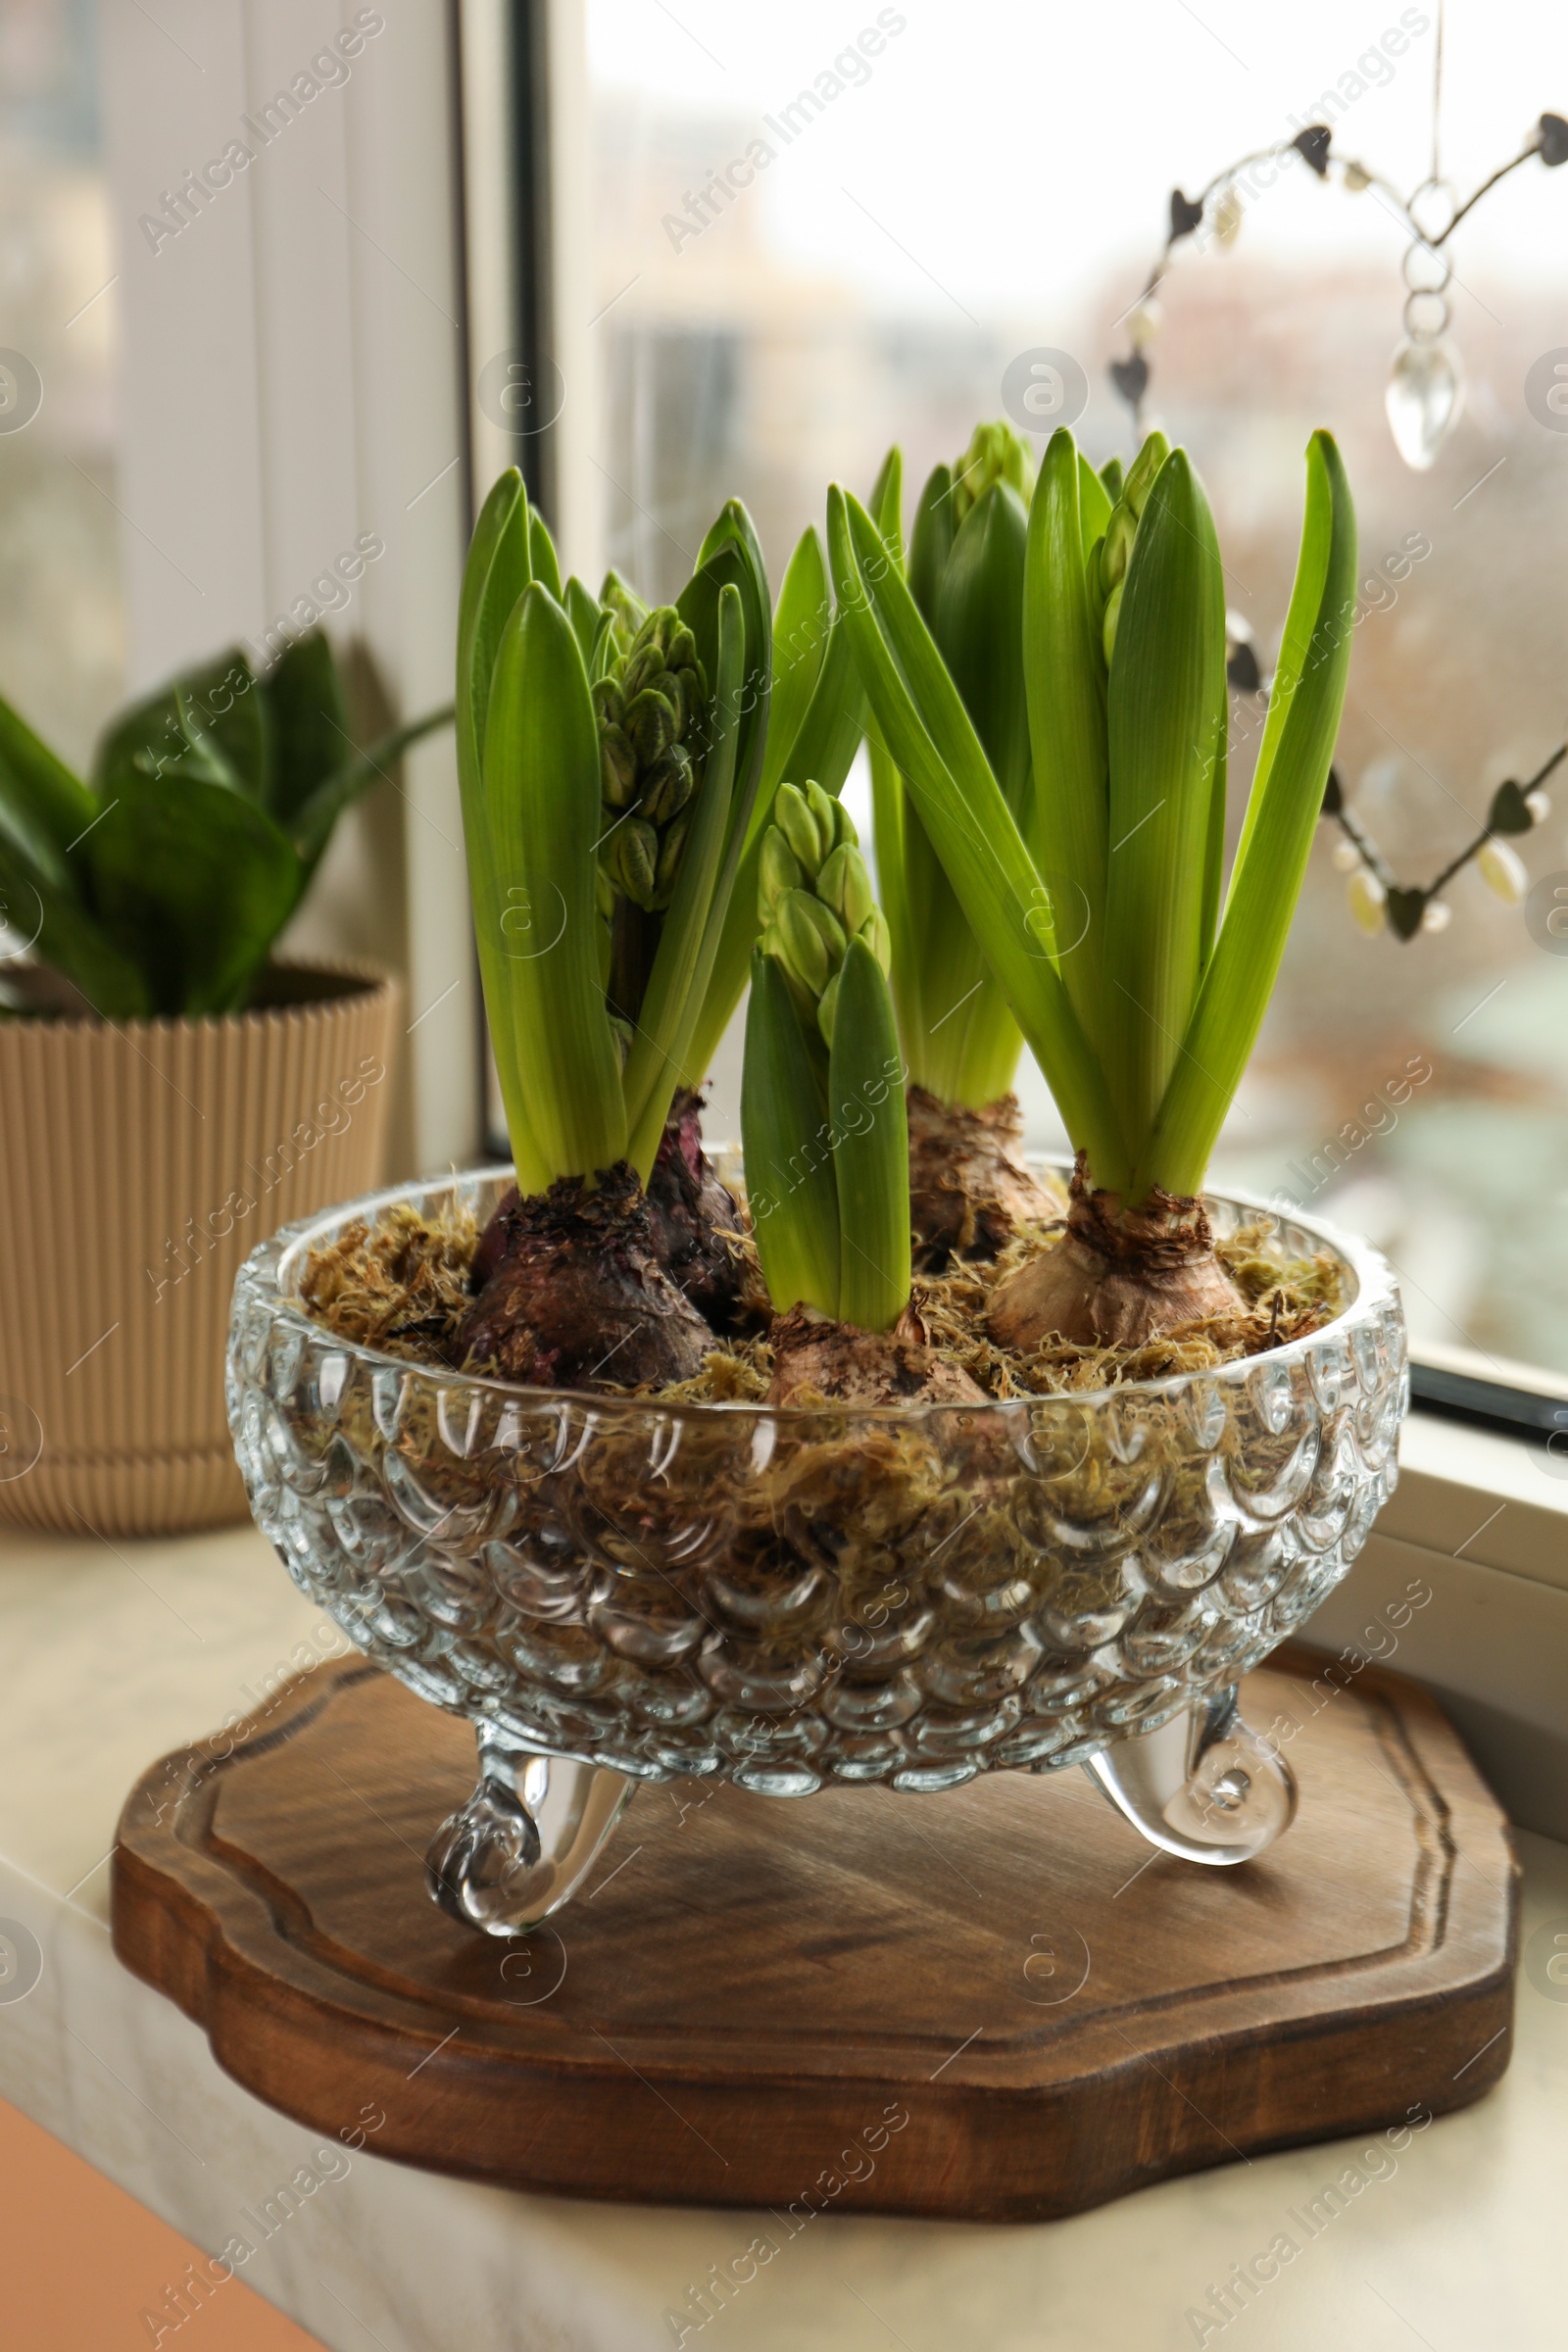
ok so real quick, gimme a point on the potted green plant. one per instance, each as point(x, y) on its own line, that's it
point(169, 1092)
point(858, 1535)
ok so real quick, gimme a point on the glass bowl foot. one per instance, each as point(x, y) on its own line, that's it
point(1204, 1785)
point(525, 1839)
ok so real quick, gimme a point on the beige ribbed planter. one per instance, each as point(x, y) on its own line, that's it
point(138, 1166)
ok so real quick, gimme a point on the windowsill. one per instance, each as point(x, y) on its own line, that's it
point(134, 1649)
point(1481, 1494)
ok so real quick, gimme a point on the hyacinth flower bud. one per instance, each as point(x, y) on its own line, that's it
point(1145, 466)
point(671, 846)
point(1116, 548)
point(996, 454)
point(878, 938)
point(845, 886)
point(668, 787)
point(1112, 616)
point(811, 940)
point(649, 725)
point(794, 817)
point(825, 811)
point(627, 610)
point(778, 870)
point(633, 860)
point(827, 1008)
point(618, 766)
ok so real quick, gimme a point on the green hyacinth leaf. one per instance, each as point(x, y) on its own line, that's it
point(868, 1120)
point(1287, 797)
point(921, 718)
point(791, 1186)
point(1165, 719)
point(540, 963)
point(1064, 678)
point(542, 560)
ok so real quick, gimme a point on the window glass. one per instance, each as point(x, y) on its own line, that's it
point(818, 231)
point(61, 638)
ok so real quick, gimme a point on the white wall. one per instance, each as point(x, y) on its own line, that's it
point(293, 378)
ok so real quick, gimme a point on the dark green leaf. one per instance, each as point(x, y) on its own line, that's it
point(301, 695)
point(43, 808)
point(313, 825)
point(206, 722)
point(38, 909)
point(193, 883)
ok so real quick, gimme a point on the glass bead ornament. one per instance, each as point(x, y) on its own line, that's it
point(1144, 323)
point(1502, 870)
point(1424, 399)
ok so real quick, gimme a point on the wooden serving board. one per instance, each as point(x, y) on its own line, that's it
point(995, 2003)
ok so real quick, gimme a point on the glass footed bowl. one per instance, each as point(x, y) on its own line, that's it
point(614, 1591)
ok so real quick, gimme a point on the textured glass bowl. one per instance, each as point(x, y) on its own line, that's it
point(614, 1591)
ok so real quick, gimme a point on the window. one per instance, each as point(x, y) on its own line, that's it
point(819, 232)
point(61, 637)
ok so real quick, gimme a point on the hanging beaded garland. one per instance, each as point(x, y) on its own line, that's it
point(1425, 391)
point(1378, 900)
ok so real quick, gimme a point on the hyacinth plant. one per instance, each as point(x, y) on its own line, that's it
point(1138, 977)
point(824, 1123)
point(965, 567)
point(610, 756)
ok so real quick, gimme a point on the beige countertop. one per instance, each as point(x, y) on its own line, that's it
point(115, 1653)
